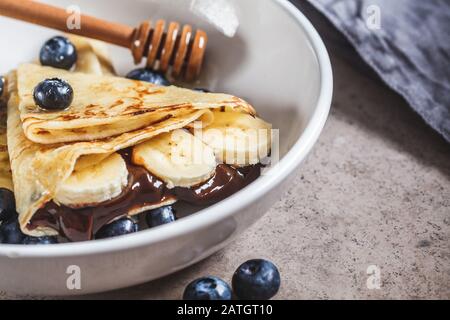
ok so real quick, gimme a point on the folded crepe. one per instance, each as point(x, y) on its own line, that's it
point(93, 58)
point(5, 169)
point(106, 106)
point(107, 114)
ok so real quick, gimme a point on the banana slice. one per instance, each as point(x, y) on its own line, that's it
point(178, 158)
point(89, 160)
point(94, 184)
point(238, 138)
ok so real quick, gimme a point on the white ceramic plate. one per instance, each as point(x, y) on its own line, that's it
point(276, 60)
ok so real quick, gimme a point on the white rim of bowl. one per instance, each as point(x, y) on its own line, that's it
point(224, 208)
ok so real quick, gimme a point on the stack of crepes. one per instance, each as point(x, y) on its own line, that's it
point(107, 114)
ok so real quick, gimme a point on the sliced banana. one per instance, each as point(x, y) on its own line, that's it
point(89, 160)
point(178, 158)
point(238, 138)
point(94, 184)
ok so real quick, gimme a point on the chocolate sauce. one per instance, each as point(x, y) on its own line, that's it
point(143, 189)
point(226, 181)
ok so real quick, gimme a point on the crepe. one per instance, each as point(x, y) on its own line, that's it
point(5, 169)
point(93, 56)
point(94, 126)
point(103, 104)
point(38, 169)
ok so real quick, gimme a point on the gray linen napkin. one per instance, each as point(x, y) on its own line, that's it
point(407, 43)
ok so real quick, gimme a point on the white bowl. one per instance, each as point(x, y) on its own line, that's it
point(276, 60)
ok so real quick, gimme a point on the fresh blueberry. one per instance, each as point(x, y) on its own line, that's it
point(2, 85)
point(117, 228)
point(160, 216)
point(39, 240)
point(256, 280)
point(58, 52)
point(11, 232)
point(207, 288)
point(53, 94)
point(7, 205)
point(148, 75)
point(202, 90)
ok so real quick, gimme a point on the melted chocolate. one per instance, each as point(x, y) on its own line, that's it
point(143, 189)
point(226, 181)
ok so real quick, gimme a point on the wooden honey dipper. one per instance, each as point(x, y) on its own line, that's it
point(176, 47)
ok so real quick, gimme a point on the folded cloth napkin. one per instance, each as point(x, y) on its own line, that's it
point(407, 42)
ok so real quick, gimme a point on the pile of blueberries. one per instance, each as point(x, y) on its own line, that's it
point(154, 218)
point(10, 232)
point(256, 279)
point(9, 228)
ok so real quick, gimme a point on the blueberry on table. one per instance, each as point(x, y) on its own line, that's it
point(117, 228)
point(11, 232)
point(58, 52)
point(7, 205)
point(144, 74)
point(2, 85)
point(160, 216)
point(53, 94)
point(256, 280)
point(207, 288)
point(39, 240)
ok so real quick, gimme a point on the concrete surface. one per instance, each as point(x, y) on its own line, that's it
point(374, 191)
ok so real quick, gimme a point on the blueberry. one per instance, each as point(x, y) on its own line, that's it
point(148, 75)
point(202, 90)
point(11, 232)
point(2, 85)
point(256, 280)
point(207, 288)
point(117, 228)
point(39, 240)
point(7, 205)
point(58, 52)
point(53, 94)
point(160, 216)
